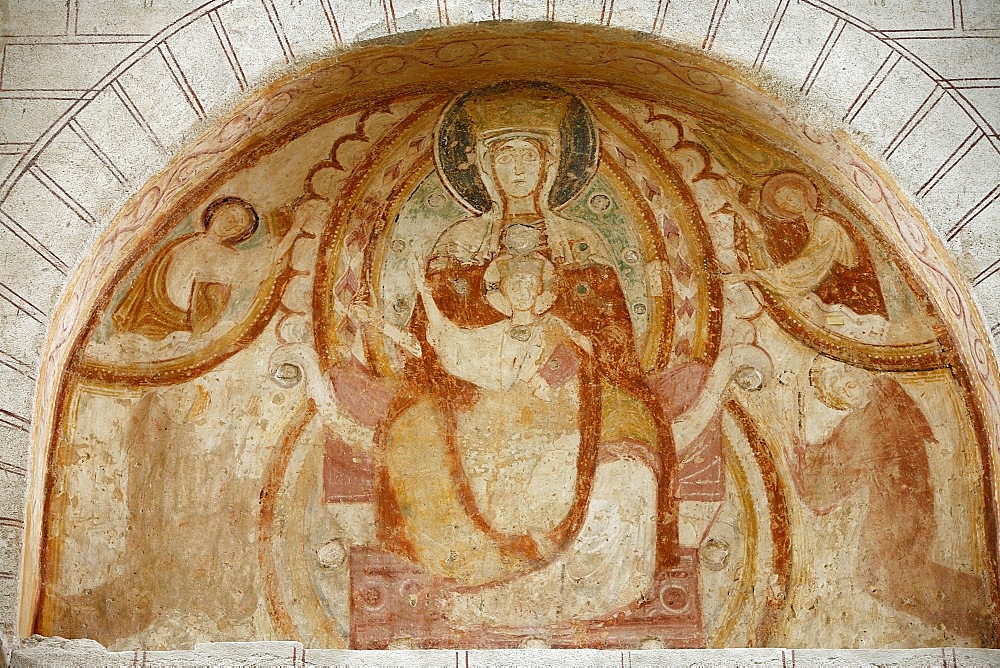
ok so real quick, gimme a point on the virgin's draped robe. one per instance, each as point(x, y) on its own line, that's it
point(618, 416)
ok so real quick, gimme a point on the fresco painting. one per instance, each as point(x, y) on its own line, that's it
point(537, 362)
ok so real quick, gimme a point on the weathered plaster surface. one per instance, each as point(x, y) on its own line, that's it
point(98, 97)
point(38, 653)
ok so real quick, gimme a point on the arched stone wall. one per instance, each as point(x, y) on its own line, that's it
point(916, 84)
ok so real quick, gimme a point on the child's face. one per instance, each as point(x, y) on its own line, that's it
point(521, 290)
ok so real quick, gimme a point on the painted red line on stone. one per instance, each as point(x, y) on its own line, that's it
point(876, 80)
point(331, 19)
point(279, 30)
point(972, 213)
point(713, 25)
point(98, 152)
point(388, 19)
point(987, 272)
point(119, 90)
point(824, 54)
point(18, 365)
point(918, 116)
point(227, 48)
point(772, 31)
point(968, 144)
point(661, 16)
point(174, 67)
point(13, 469)
point(21, 304)
point(61, 194)
point(32, 242)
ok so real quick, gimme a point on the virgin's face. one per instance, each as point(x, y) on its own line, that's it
point(517, 165)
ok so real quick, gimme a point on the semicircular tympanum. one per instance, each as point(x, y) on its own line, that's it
point(504, 337)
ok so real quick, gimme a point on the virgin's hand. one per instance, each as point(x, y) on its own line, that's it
point(753, 224)
point(360, 312)
point(490, 243)
point(732, 193)
point(560, 245)
point(415, 270)
point(298, 222)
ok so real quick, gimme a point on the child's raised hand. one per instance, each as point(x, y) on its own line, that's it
point(415, 270)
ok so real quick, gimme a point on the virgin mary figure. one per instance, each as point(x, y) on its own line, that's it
point(542, 489)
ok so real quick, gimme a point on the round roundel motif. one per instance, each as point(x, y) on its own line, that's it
point(674, 598)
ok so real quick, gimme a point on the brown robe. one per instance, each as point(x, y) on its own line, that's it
point(883, 446)
point(855, 287)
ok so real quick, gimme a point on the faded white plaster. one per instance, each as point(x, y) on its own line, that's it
point(97, 95)
point(38, 652)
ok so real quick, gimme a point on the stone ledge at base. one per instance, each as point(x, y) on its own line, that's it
point(38, 651)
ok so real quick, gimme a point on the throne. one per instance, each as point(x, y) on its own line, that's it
point(393, 601)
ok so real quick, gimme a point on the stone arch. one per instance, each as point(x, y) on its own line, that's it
point(52, 212)
point(291, 108)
